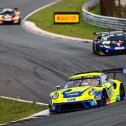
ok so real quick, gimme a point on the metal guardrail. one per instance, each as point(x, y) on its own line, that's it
point(102, 21)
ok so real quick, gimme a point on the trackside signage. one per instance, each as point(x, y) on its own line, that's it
point(66, 17)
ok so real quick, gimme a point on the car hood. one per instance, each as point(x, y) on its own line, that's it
point(73, 92)
point(75, 89)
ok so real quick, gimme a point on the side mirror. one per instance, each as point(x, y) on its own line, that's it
point(58, 87)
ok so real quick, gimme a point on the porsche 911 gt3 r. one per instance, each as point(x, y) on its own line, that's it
point(10, 15)
point(110, 43)
point(86, 90)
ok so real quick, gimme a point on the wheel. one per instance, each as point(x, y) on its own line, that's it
point(104, 98)
point(122, 92)
point(100, 53)
point(98, 50)
point(19, 22)
point(52, 111)
point(94, 50)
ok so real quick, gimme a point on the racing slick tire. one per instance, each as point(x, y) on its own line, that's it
point(19, 22)
point(51, 111)
point(100, 53)
point(122, 92)
point(104, 98)
point(94, 50)
point(97, 51)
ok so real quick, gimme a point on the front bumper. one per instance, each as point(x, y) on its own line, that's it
point(113, 50)
point(10, 21)
point(59, 107)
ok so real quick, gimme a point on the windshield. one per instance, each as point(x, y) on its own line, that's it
point(4, 13)
point(114, 38)
point(83, 82)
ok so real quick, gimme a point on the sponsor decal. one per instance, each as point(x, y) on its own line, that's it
point(66, 17)
point(119, 48)
point(7, 19)
point(74, 94)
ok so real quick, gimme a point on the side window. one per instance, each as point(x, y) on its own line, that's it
point(104, 79)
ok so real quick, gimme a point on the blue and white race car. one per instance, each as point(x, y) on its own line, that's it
point(109, 43)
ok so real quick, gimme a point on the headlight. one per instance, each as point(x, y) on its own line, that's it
point(101, 46)
point(92, 91)
point(1, 18)
point(107, 46)
point(55, 95)
point(16, 18)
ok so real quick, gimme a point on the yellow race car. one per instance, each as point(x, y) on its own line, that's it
point(87, 90)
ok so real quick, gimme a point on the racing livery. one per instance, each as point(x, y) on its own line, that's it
point(110, 43)
point(87, 90)
point(10, 15)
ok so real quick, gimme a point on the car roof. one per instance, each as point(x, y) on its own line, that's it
point(113, 35)
point(7, 9)
point(84, 75)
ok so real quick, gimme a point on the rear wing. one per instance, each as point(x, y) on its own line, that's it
point(110, 33)
point(108, 71)
point(115, 71)
point(118, 70)
point(100, 33)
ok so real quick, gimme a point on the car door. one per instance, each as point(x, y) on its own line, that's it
point(107, 83)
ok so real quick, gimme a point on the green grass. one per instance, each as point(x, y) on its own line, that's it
point(11, 110)
point(96, 9)
point(44, 20)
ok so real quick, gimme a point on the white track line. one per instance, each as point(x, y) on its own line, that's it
point(31, 27)
point(20, 100)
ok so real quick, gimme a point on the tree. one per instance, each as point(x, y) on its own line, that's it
point(107, 7)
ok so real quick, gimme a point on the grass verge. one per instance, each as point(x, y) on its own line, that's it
point(44, 20)
point(11, 110)
point(96, 9)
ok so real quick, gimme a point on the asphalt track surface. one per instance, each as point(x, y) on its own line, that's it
point(31, 66)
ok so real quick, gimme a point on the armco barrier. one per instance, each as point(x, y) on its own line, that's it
point(102, 21)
